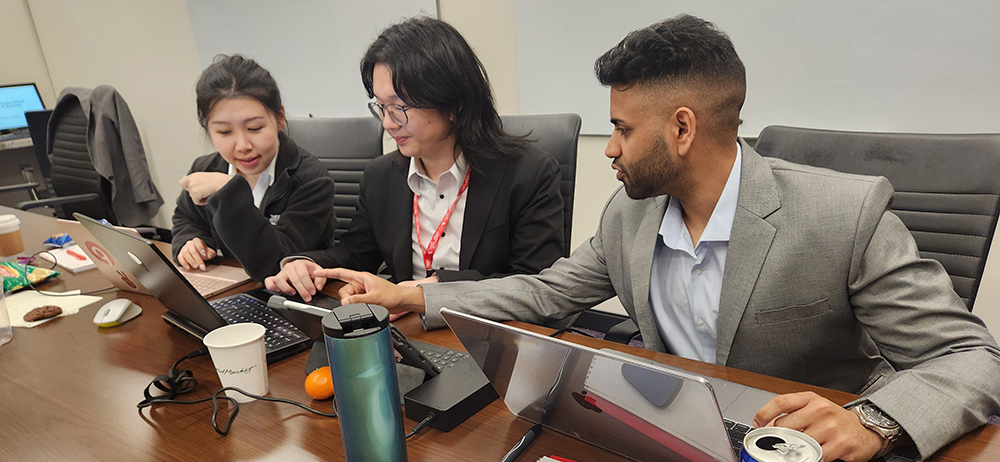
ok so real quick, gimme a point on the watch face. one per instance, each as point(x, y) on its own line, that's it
point(877, 417)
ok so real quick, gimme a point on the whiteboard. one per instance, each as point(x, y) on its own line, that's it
point(313, 48)
point(869, 65)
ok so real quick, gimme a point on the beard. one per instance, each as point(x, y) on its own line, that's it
point(646, 176)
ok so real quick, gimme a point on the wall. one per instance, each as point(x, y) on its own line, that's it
point(315, 53)
point(145, 50)
point(21, 54)
point(490, 27)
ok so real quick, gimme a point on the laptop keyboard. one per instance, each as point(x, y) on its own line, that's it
point(14, 135)
point(443, 358)
point(243, 308)
point(737, 432)
point(206, 285)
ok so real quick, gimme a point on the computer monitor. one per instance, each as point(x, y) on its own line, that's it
point(14, 101)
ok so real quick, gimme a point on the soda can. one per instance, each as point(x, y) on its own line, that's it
point(778, 444)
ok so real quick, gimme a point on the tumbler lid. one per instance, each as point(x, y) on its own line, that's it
point(355, 320)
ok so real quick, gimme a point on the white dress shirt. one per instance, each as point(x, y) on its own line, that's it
point(265, 181)
point(686, 280)
point(434, 199)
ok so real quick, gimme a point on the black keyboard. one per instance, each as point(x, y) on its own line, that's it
point(14, 135)
point(737, 432)
point(442, 357)
point(243, 308)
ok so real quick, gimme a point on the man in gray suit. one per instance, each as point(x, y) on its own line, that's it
point(721, 255)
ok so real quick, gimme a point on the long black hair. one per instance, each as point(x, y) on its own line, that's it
point(232, 77)
point(433, 67)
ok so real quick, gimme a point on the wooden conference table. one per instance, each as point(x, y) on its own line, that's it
point(68, 391)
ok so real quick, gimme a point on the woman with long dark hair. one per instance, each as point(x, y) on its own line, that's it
point(460, 199)
point(260, 197)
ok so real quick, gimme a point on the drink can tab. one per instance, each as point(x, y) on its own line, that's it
point(778, 444)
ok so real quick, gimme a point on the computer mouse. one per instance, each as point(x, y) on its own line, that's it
point(116, 312)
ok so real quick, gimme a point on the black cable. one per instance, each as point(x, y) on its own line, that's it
point(53, 268)
point(175, 382)
point(423, 423)
point(179, 382)
point(568, 325)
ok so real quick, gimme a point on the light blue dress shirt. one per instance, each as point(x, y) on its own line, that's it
point(686, 280)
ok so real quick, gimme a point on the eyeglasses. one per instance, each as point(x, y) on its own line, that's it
point(396, 112)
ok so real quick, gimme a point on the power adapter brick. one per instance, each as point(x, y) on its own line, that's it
point(454, 395)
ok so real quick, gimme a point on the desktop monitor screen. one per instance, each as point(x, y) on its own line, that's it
point(14, 101)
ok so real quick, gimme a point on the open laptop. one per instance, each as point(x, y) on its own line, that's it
point(215, 280)
point(140, 265)
point(639, 409)
point(14, 101)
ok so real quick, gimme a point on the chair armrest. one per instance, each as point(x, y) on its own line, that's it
point(27, 205)
point(18, 187)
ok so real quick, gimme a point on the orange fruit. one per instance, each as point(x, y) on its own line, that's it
point(319, 383)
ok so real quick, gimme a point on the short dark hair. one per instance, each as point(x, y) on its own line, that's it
point(683, 50)
point(232, 77)
point(433, 67)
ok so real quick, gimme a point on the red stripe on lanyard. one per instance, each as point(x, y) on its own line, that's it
point(433, 244)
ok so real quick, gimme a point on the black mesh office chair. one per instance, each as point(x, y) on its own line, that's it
point(947, 186)
point(38, 128)
point(558, 135)
point(344, 146)
point(67, 169)
point(35, 187)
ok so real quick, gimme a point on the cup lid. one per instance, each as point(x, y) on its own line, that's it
point(355, 320)
point(9, 223)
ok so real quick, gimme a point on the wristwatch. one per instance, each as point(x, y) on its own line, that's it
point(877, 421)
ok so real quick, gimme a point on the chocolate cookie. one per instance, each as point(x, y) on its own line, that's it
point(43, 312)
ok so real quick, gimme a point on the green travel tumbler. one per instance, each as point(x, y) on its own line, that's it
point(364, 380)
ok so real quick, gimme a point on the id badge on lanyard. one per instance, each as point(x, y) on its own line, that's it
point(433, 244)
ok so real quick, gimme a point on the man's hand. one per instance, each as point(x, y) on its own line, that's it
point(297, 277)
point(369, 288)
point(836, 429)
point(200, 185)
point(394, 316)
point(194, 254)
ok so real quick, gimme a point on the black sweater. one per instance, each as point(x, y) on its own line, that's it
point(296, 213)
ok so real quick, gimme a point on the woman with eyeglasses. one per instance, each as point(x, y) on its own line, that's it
point(460, 199)
point(260, 197)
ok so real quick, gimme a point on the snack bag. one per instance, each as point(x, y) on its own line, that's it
point(16, 276)
point(58, 241)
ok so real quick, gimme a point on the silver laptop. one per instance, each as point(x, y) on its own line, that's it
point(636, 408)
point(143, 268)
point(215, 280)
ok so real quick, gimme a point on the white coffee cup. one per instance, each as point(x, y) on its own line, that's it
point(11, 242)
point(239, 357)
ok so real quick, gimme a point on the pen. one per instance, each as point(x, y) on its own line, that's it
point(523, 444)
point(277, 301)
point(76, 255)
point(305, 307)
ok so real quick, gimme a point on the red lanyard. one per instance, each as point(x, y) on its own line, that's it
point(433, 244)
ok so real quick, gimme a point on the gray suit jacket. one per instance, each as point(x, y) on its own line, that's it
point(116, 151)
point(822, 285)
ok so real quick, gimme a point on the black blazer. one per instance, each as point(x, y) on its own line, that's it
point(513, 220)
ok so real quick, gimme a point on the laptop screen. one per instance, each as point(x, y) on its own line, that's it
point(14, 101)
